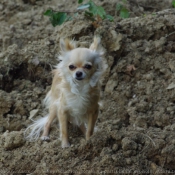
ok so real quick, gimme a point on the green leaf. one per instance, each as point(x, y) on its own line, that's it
point(80, 1)
point(58, 18)
point(92, 7)
point(119, 7)
point(109, 17)
point(173, 3)
point(48, 13)
point(96, 10)
point(124, 13)
point(84, 6)
point(101, 12)
point(90, 14)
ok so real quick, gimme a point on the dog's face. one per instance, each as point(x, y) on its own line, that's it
point(81, 64)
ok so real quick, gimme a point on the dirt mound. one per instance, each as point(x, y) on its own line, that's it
point(136, 125)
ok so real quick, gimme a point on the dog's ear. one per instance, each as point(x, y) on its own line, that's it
point(96, 46)
point(67, 45)
point(99, 61)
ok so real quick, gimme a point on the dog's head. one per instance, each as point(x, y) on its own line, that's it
point(82, 64)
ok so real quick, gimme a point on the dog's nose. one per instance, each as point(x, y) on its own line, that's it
point(79, 74)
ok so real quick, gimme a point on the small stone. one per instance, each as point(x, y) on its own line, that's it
point(111, 84)
point(149, 76)
point(115, 147)
point(2, 129)
point(171, 86)
point(33, 113)
point(128, 144)
point(128, 161)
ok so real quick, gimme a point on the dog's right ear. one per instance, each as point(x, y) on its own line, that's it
point(67, 45)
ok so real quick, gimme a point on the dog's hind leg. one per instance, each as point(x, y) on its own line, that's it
point(52, 116)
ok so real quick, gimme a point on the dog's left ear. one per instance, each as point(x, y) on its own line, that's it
point(99, 61)
point(67, 45)
point(96, 46)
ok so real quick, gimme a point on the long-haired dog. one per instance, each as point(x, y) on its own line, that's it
point(74, 93)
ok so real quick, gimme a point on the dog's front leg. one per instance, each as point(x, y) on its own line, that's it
point(63, 122)
point(91, 124)
point(52, 116)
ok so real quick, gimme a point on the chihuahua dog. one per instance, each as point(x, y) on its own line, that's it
point(75, 91)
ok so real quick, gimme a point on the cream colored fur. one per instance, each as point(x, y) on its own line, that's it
point(74, 93)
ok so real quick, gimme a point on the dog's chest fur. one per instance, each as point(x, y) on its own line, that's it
point(78, 101)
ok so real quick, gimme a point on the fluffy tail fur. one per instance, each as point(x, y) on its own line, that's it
point(32, 133)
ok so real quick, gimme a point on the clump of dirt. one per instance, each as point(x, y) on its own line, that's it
point(136, 125)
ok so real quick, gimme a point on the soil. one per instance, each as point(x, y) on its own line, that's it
point(136, 125)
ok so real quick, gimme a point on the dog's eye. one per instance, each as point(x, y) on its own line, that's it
point(72, 67)
point(87, 66)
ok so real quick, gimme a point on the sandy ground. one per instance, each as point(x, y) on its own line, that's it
point(136, 124)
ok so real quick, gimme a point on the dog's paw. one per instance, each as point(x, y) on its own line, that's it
point(65, 145)
point(45, 138)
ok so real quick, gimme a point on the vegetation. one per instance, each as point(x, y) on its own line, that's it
point(173, 3)
point(123, 11)
point(91, 10)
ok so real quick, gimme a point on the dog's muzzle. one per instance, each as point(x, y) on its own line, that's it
point(79, 75)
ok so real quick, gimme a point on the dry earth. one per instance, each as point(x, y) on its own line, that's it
point(136, 126)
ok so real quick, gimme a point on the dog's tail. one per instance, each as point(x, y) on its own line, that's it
point(32, 132)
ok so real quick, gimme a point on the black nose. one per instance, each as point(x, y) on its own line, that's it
point(79, 74)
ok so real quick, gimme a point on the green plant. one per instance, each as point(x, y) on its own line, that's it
point(173, 3)
point(56, 18)
point(94, 11)
point(91, 10)
point(123, 11)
